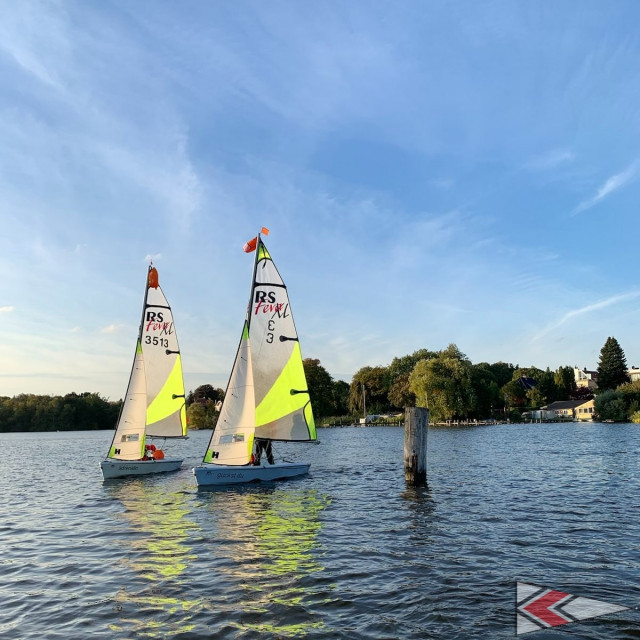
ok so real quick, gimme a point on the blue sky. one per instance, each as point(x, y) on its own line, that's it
point(431, 172)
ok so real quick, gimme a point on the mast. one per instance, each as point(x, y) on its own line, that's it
point(364, 404)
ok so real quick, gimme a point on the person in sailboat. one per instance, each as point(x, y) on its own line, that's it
point(263, 447)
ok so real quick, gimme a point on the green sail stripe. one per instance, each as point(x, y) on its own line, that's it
point(164, 403)
point(279, 402)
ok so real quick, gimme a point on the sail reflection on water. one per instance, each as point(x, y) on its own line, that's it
point(157, 551)
point(274, 551)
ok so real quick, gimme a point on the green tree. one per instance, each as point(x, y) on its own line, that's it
point(527, 372)
point(443, 384)
point(202, 414)
point(502, 372)
point(321, 389)
point(340, 398)
point(205, 392)
point(612, 367)
point(487, 398)
point(610, 405)
point(404, 365)
point(370, 386)
point(515, 395)
point(400, 394)
point(545, 391)
point(565, 380)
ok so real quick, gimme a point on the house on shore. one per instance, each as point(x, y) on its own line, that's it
point(580, 410)
point(586, 378)
point(634, 374)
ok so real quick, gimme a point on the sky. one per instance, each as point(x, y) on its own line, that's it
point(431, 173)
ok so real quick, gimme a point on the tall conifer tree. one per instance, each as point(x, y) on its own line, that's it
point(612, 368)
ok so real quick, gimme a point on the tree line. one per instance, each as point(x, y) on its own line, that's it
point(73, 412)
point(446, 381)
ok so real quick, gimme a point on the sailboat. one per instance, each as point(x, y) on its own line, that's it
point(267, 398)
point(154, 405)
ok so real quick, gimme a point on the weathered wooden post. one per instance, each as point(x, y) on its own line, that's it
point(416, 423)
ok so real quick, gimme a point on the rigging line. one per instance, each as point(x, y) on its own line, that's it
point(157, 306)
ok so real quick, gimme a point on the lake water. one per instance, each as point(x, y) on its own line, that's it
point(347, 552)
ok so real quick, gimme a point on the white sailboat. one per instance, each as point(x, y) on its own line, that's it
point(154, 405)
point(267, 399)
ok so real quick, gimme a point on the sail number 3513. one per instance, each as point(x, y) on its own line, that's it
point(162, 342)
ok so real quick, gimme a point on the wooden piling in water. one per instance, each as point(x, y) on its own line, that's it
point(416, 423)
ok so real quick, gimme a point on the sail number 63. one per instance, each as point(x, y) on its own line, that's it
point(271, 325)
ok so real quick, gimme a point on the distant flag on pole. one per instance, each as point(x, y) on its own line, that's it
point(541, 608)
point(251, 245)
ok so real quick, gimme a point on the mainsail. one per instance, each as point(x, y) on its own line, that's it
point(154, 404)
point(267, 395)
point(166, 413)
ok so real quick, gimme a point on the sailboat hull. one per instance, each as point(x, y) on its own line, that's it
point(217, 475)
point(123, 468)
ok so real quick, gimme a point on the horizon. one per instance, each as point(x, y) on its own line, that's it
point(439, 174)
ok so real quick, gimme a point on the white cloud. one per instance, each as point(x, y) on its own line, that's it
point(6, 309)
point(612, 184)
point(587, 309)
point(551, 160)
point(112, 328)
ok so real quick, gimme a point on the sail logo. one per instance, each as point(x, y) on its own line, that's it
point(155, 322)
point(265, 302)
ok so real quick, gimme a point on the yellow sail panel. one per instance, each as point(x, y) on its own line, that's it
point(263, 253)
point(169, 400)
point(311, 423)
point(183, 419)
point(287, 396)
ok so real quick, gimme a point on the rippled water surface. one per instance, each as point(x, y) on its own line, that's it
point(347, 552)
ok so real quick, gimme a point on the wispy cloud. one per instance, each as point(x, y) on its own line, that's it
point(112, 328)
point(587, 309)
point(551, 160)
point(612, 184)
point(150, 257)
point(6, 309)
point(442, 183)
